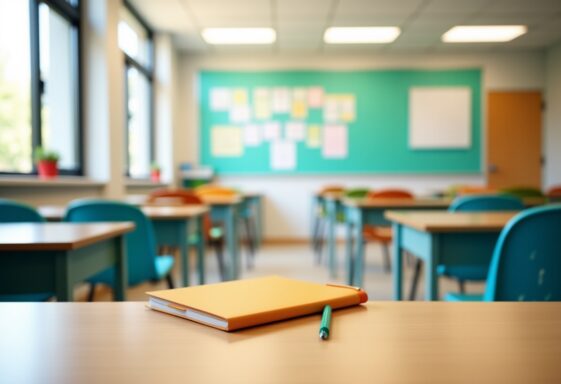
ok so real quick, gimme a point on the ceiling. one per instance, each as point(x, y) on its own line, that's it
point(300, 23)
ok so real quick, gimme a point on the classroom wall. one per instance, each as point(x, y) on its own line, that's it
point(287, 208)
point(552, 171)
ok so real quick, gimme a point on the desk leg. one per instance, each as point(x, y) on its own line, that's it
point(359, 254)
point(258, 204)
point(121, 272)
point(331, 246)
point(398, 263)
point(349, 249)
point(200, 249)
point(231, 236)
point(183, 228)
point(63, 282)
point(431, 282)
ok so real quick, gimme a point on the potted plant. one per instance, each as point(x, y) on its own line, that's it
point(155, 171)
point(46, 163)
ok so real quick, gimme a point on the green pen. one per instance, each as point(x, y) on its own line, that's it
point(325, 323)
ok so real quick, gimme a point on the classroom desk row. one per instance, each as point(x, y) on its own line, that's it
point(431, 236)
point(379, 342)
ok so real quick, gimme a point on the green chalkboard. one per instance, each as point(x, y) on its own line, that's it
point(377, 138)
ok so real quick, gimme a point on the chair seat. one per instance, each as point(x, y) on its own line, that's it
point(465, 273)
point(458, 297)
point(163, 264)
point(43, 296)
point(379, 234)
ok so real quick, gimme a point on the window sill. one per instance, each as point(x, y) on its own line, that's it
point(60, 181)
point(143, 183)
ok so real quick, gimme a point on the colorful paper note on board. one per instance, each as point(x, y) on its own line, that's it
point(252, 135)
point(240, 97)
point(220, 99)
point(299, 103)
point(347, 106)
point(315, 97)
point(271, 130)
point(283, 155)
point(240, 114)
point(226, 141)
point(331, 109)
point(262, 103)
point(295, 130)
point(335, 141)
point(281, 100)
point(314, 136)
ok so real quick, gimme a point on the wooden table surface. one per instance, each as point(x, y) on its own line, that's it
point(155, 212)
point(442, 221)
point(221, 199)
point(392, 202)
point(57, 236)
point(380, 342)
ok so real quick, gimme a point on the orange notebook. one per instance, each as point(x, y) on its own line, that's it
point(244, 303)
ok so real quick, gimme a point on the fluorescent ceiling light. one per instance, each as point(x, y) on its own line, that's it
point(239, 35)
point(360, 35)
point(483, 33)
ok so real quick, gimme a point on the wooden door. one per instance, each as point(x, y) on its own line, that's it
point(514, 124)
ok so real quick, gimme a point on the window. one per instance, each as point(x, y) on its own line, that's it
point(40, 88)
point(135, 39)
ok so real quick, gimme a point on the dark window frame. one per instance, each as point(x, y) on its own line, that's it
point(148, 72)
point(71, 13)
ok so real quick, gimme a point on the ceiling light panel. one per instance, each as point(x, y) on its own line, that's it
point(483, 33)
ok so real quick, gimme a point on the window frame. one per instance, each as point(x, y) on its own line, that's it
point(71, 13)
point(148, 72)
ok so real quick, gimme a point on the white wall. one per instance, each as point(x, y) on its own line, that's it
point(288, 197)
point(552, 172)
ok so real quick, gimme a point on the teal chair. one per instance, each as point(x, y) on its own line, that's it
point(14, 212)
point(526, 265)
point(482, 203)
point(142, 262)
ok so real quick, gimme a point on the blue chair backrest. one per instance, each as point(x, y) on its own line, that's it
point(526, 263)
point(140, 243)
point(14, 212)
point(486, 203)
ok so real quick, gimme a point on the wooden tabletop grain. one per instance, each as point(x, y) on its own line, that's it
point(380, 342)
point(57, 236)
point(155, 212)
point(442, 221)
point(397, 203)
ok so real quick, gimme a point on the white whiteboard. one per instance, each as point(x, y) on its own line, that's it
point(439, 117)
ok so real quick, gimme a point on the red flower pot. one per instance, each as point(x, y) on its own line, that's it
point(155, 176)
point(47, 169)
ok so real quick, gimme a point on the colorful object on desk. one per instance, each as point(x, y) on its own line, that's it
point(522, 192)
point(142, 262)
point(525, 264)
point(245, 303)
point(383, 235)
point(325, 323)
point(214, 234)
point(15, 212)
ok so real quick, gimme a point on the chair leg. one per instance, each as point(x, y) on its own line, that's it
point(250, 243)
point(320, 241)
point(387, 259)
point(91, 292)
point(220, 258)
point(315, 233)
point(417, 272)
point(462, 286)
point(169, 280)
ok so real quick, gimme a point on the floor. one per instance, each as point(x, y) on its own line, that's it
point(295, 261)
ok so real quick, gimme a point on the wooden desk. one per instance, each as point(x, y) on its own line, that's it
point(380, 342)
point(360, 212)
point(54, 257)
point(171, 226)
point(443, 238)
